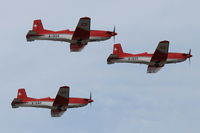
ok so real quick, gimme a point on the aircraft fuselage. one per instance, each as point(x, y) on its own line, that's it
point(67, 37)
point(73, 103)
point(145, 59)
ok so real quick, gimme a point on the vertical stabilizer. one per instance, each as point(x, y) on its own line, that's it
point(37, 26)
point(117, 49)
point(22, 94)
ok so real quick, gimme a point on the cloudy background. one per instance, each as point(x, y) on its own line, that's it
point(126, 98)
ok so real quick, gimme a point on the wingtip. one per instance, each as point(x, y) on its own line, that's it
point(165, 41)
point(64, 87)
point(85, 18)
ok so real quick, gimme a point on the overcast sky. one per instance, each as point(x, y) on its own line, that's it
point(126, 98)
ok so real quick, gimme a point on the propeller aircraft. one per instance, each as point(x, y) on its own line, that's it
point(78, 39)
point(58, 105)
point(155, 61)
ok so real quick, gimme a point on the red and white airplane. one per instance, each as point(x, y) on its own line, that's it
point(58, 105)
point(78, 39)
point(154, 61)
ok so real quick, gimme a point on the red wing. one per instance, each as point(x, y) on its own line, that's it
point(82, 31)
point(76, 47)
point(61, 102)
point(81, 35)
point(159, 57)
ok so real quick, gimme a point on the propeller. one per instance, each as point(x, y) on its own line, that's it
point(90, 98)
point(189, 55)
point(114, 35)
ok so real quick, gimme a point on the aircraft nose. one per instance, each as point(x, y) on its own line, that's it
point(114, 34)
point(90, 101)
point(189, 55)
point(111, 33)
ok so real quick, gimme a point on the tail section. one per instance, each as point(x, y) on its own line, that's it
point(117, 49)
point(37, 26)
point(21, 95)
point(37, 29)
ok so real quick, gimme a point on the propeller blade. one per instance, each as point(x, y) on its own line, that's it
point(189, 61)
point(190, 52)
point(114, 29)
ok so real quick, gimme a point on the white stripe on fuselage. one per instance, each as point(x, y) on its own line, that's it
point(143, 60)
point(54, 37)
point(66, 38)
point(47, 104)
point(136, 59)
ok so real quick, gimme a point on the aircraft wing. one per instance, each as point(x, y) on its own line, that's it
point(81, 34)
point(159, 57)
point(61, 102)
